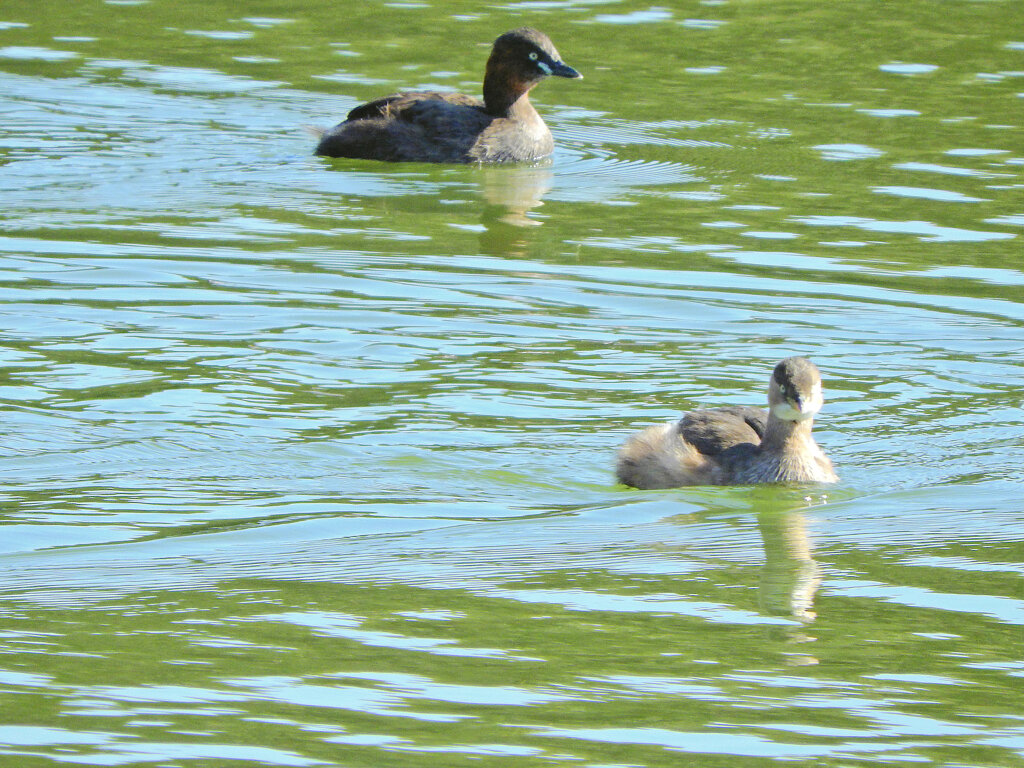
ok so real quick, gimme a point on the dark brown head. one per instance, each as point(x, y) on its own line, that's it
point(794, 393)
point(519, 60)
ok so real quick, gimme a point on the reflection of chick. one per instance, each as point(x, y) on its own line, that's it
point(736, 445)
point(790, 577)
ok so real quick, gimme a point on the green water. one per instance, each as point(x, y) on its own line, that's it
point(308, 462)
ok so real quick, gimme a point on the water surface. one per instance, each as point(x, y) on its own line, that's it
point(308, 462)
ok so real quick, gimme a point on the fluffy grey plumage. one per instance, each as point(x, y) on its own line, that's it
point(736, 445)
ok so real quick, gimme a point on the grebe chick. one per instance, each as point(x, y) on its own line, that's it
point(736, 445)
point(434, 127)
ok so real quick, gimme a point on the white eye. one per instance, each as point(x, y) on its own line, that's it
point(533, 55)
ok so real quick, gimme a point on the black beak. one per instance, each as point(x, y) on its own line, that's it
point(561, 69)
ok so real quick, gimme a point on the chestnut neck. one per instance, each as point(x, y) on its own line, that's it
point(505, 94)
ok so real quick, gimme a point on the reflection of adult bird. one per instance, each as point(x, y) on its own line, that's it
point(453, 128)
point(736, 445)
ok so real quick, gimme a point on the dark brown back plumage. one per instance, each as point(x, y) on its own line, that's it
point(714, 430)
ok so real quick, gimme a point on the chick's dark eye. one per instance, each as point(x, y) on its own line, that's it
point(533, 55)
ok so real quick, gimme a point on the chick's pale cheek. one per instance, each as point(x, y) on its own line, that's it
point(787, 412)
